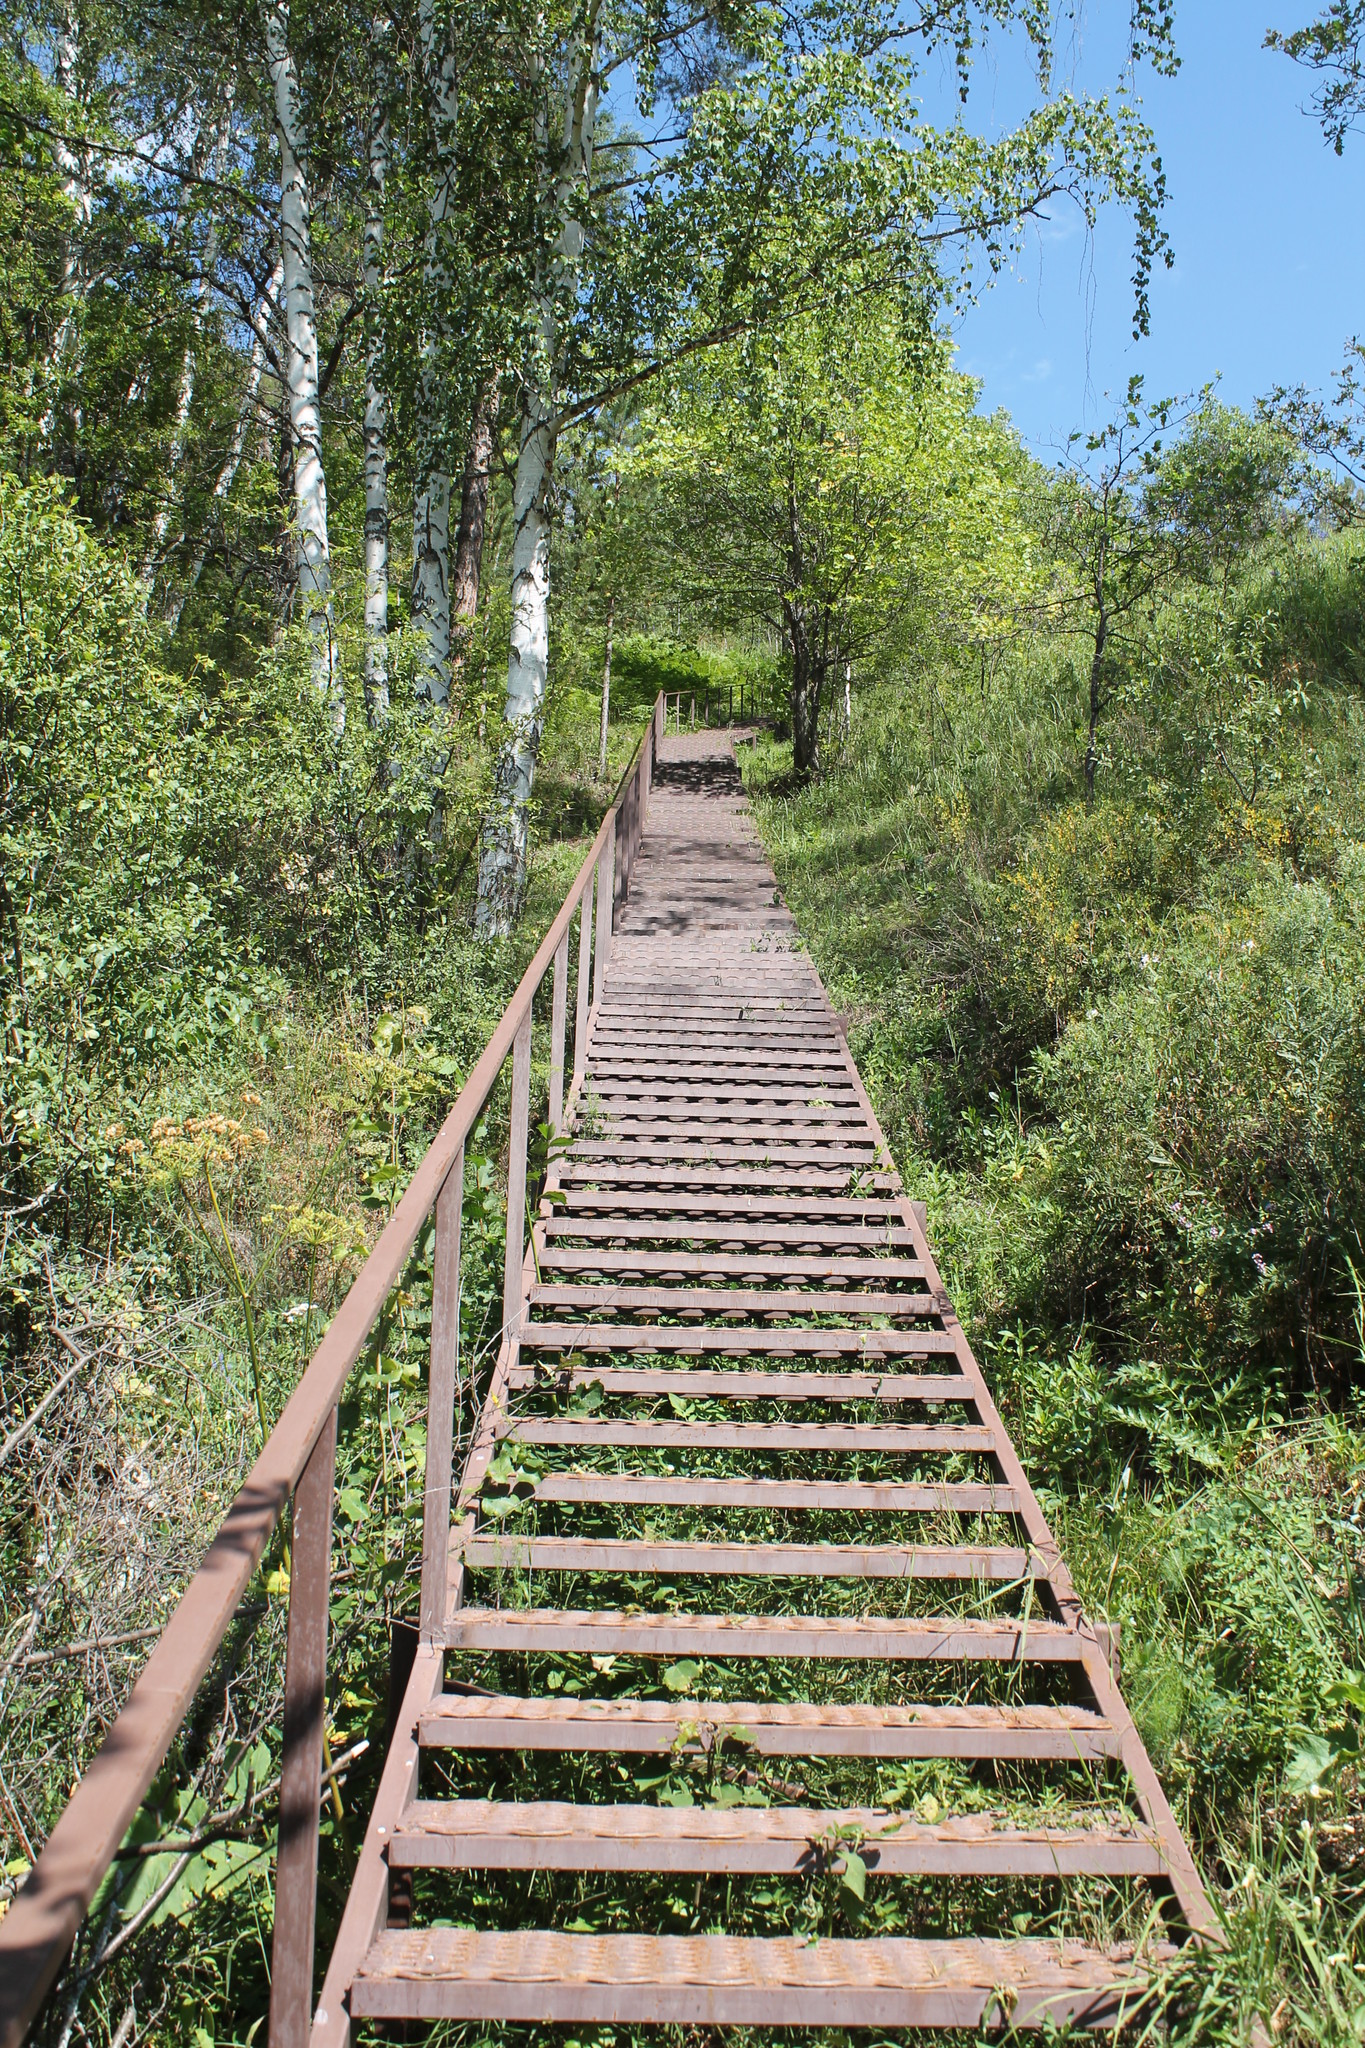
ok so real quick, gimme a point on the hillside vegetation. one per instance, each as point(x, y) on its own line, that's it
point(1120, 1049)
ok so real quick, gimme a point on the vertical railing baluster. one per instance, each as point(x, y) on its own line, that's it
point(305, 1710)
point(557, 1015)
point(516, 1178)
point(442, 1385)
point(625, 847)
point(606, 870)
point(580, 1033)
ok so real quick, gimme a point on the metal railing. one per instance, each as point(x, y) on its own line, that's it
point(299, 1461)
point(720, 704)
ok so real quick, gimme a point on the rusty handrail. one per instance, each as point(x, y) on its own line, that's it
point(44, 1919)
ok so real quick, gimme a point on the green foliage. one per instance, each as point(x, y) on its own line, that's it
point(826, 481)
point(1119, 1047)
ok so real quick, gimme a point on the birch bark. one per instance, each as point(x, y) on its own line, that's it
point(161, 524)
point(74, 173)
point(606, 691)
point(312, 562)
point(245, 414)
point(565, 177)
point(376, 451)
point(468, 565)
point(431, 503)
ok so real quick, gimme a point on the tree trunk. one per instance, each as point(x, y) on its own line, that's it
point(502, 860)
point(312, 562)
point(185, 394)
point(431, 500)
point(806, 680)
point(375, 437)
point(1096, 677)
point(565, 176)
point(74, 172)
point(232, 461)
point(478, 471)
point(430, 601)
point(606, 691)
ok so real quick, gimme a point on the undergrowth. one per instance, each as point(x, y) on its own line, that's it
point(1120, 1050)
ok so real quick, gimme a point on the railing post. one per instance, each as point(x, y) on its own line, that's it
point(442, 1378)
point(606, 871)
point(516, 1179)
point(628, 836)
point(305, 1710)
point(580, 1034)
point(561, 1003)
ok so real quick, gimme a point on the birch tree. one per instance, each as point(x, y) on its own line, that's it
point(375, 434)
point(311, 552)
point(474, 488)
point(798, 164)
point(431, 503)
point(161, 520)
point(563, 170)
point(74, 171)
point(247, 415)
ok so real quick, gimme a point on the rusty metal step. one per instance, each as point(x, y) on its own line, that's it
point(608, 1175)
point(601, 1631)
point(1057, 1734)
point(882, 1439)
point(712, 1211)
point(824, 1496)
point(728, 1265)
point(795, 1841)
point(614, 1554)
point(541, 1977)
point(764, 1340)
point(697, 1384)
point(733, 1301)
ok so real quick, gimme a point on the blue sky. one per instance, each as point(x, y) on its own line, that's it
point(1266, 224)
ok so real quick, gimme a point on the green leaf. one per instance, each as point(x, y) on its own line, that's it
point(1312, 1761)
point(853, 1874)
point(1348, 1692)
point(682, 1677)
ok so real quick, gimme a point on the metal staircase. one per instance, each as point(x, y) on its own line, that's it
point(740, 1521)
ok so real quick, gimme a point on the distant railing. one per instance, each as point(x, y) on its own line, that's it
point(720, 704)
point(299, 1460)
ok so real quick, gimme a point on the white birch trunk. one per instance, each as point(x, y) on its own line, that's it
point(430, 600)
point(64, 357)
point(376, 444)
point(467, 565)
point(606, 691)
point(502, 858)
point(246, 411)
point(161, 524)
point(431, 503)
point(311, 554)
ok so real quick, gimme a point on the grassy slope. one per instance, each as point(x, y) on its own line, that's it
point(1118, 1052)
